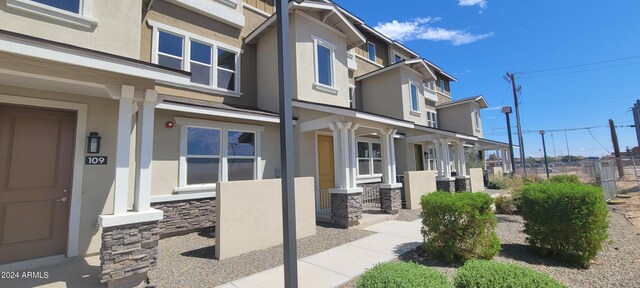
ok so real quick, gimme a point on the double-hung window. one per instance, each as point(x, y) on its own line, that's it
point(441, 86)
point(371, 50)
point(212, 64)
point(414, 97)
point(432, 119)
point(72, 6)
point(369, 158)
point(71, 12)
point(430, 85)
point(214, 152)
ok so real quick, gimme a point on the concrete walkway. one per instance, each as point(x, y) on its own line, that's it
point(343, 263)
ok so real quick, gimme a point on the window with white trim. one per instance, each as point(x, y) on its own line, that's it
point(476, 115)
point(432, 119)
point(397, 58)
point(214, 152)
point(324, 68)
point(371, 50)
point(72, 6)
point(414, 96)
point(369, 158)
point(430, 85)
point(431, 158)
point(441, 86)
point(212, 64)
point(74, 12)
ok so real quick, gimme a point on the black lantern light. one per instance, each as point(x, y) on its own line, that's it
point(93, 143)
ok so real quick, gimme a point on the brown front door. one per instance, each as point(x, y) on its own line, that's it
point(36, 162)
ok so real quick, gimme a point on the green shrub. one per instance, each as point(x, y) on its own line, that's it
point(565, 179)
point(497, 182)
point(491, 274)
point(459, 226)
point(504, 205)
point(402, 274)
point(565, 220)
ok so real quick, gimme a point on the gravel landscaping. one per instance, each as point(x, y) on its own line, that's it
point(187, 261)
point(617, 265)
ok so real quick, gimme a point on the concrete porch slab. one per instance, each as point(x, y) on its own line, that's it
point(79, 272)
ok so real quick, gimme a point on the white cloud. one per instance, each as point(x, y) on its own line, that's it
point(481, 3)
point(422, 29)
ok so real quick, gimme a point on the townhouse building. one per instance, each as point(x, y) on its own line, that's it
point(121, 119)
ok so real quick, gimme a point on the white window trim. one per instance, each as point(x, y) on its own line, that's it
point(224, 128)
point(221, 10)
point(352, 98)
point(187, 37)
point(395, 53)
point(434, 114)
point(83, 19)
point(476, 120)
point(415, 112)
point(332, 47)
point(371, 174)
point(369, 52)
point(369, 61)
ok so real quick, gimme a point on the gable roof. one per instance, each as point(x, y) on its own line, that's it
point(418, 65)
point(479, 99)
point(332, 17)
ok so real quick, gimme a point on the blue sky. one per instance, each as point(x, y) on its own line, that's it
point(477, 41)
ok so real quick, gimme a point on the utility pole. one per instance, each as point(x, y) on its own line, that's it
point(636, 119)
point(507, 110)
point(616, 148)
point(286, 147)
point(515, 102)
point(544, 149)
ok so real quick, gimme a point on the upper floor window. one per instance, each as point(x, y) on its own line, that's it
point(324, 65)
point(212, 64)
point(397, 58)
point(441, 86)
point(369, 158)
point(352, 97)
point(371, 49)
point(430, 85)
point(72, 6)
point(73, 12)
point(477, 124)
point(414, 97)
point(432, 119)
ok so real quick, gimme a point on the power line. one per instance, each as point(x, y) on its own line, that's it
point(577, 71)
point(583, 99)
point(578, 65)
point(594, 139)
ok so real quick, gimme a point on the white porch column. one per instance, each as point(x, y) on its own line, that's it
point(353, 154)
point(392, 154)
point(144, 150)
point(345, 170)
point(462, 159)
point(446, 171)
point(123, 142)
point(438, 157)
point(456, 157)
point(502, 160)
point(337, 163)
point(386, 163)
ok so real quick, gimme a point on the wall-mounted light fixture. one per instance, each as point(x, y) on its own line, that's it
point(93, 143)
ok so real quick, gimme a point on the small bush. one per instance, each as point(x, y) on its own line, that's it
point(504, 205)
point(565, 220)
point(497, 182)
point(459, 226)
point(402, 274)
point(565, 179)
point(491, 274)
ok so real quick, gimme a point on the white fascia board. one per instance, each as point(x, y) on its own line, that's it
point(80, 58)
point(354, 114)
point(222, 11)
point(381, 70)
point(130, 218)
point(266, 24)
point(217, 112)
point(466, 137)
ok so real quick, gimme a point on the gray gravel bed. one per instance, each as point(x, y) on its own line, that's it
point(617, 264)
point(187, 261)
point(409, 215)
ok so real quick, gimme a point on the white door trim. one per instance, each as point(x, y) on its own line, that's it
point(78, 159)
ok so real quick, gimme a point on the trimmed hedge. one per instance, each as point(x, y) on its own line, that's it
point(565, 220)
point(565, 179)
point(459, 226)
point(504, 205)
point(497, 182)
point(402, 274)
point(491, 274)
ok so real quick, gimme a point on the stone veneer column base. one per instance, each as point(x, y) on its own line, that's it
point(463, 184)
point(447, 185)
point(128, 252)
point(346, 208)
point(390, 200)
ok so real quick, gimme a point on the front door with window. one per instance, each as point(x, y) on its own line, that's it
point(36, 162)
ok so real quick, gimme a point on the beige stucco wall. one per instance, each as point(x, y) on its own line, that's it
point(496, 171)
point(305, 62)
point(249, 215)
point(416, 184)
point(97, 188)
point(477, 181)
point(116, 33)
point(382, 94)
point(166, 149)
point(460, 118)
point(410, 75)
point(266, 71)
